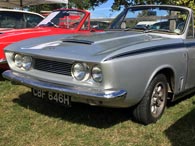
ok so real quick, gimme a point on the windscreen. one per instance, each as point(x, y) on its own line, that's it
point(165, 19)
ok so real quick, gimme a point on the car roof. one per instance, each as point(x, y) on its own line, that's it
point(20, 11)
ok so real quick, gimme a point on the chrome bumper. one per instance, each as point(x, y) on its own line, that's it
point(76, 91)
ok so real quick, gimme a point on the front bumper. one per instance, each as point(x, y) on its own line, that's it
point(79, 93)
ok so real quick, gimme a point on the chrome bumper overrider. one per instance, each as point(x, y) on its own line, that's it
point(76, 91)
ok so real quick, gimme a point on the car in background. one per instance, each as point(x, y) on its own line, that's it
point(121, 67)
point(99, 25)
point(17, 19)
point(58, 22)
point(143, 25)
point(164, 25)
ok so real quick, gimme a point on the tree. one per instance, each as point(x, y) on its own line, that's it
point(85, 4)
point(186, 3)
point(45, 7)
point(117, 5)
point(125, 3)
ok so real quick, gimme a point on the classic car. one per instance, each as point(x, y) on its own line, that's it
point(17, 19)
point(62, 21)
point(122, 67)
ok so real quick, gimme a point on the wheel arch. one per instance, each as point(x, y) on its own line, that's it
point(170, 76)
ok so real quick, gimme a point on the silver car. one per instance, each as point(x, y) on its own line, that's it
point(125, 66)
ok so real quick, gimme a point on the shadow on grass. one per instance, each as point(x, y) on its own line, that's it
point(182, 132)
point(99, 117)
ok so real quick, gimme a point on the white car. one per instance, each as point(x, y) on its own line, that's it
point(10, 18)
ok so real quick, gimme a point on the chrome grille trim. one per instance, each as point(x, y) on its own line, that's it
point(51, 66)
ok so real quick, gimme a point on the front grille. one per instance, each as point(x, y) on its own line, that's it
point(53, 66)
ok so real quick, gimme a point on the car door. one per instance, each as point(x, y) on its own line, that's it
point(190, 45)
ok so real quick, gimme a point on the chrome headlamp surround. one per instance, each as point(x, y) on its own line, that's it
point(23, 62)
point(96, 74)
point(80, 71)
point(83, 71)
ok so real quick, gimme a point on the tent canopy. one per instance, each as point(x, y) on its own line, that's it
point(23, 3)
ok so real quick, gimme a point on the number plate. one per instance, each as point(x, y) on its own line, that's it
point(52, 96)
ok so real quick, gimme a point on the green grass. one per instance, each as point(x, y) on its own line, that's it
point(29, 121)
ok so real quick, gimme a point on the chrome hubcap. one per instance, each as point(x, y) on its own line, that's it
point(158, 99)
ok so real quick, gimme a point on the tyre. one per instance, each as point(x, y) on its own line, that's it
point(152, 105)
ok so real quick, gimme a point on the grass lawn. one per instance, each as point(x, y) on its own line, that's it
point(29, 121)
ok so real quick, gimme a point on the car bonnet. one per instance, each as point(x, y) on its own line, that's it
point(87, 47)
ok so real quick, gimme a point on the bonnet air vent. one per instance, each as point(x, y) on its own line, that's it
point(78, 41)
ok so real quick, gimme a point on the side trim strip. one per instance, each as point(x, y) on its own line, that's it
point(148, 50)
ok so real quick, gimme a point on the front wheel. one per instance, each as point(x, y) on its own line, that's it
point(152, 106)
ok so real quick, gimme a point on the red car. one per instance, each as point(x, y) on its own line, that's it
point(62, 21)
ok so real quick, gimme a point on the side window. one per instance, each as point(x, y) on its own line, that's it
point(190, 33)
point(11, 20)
point(32, 20)
point(3, 20)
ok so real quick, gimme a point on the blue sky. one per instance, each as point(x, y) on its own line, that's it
point(104, 11)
